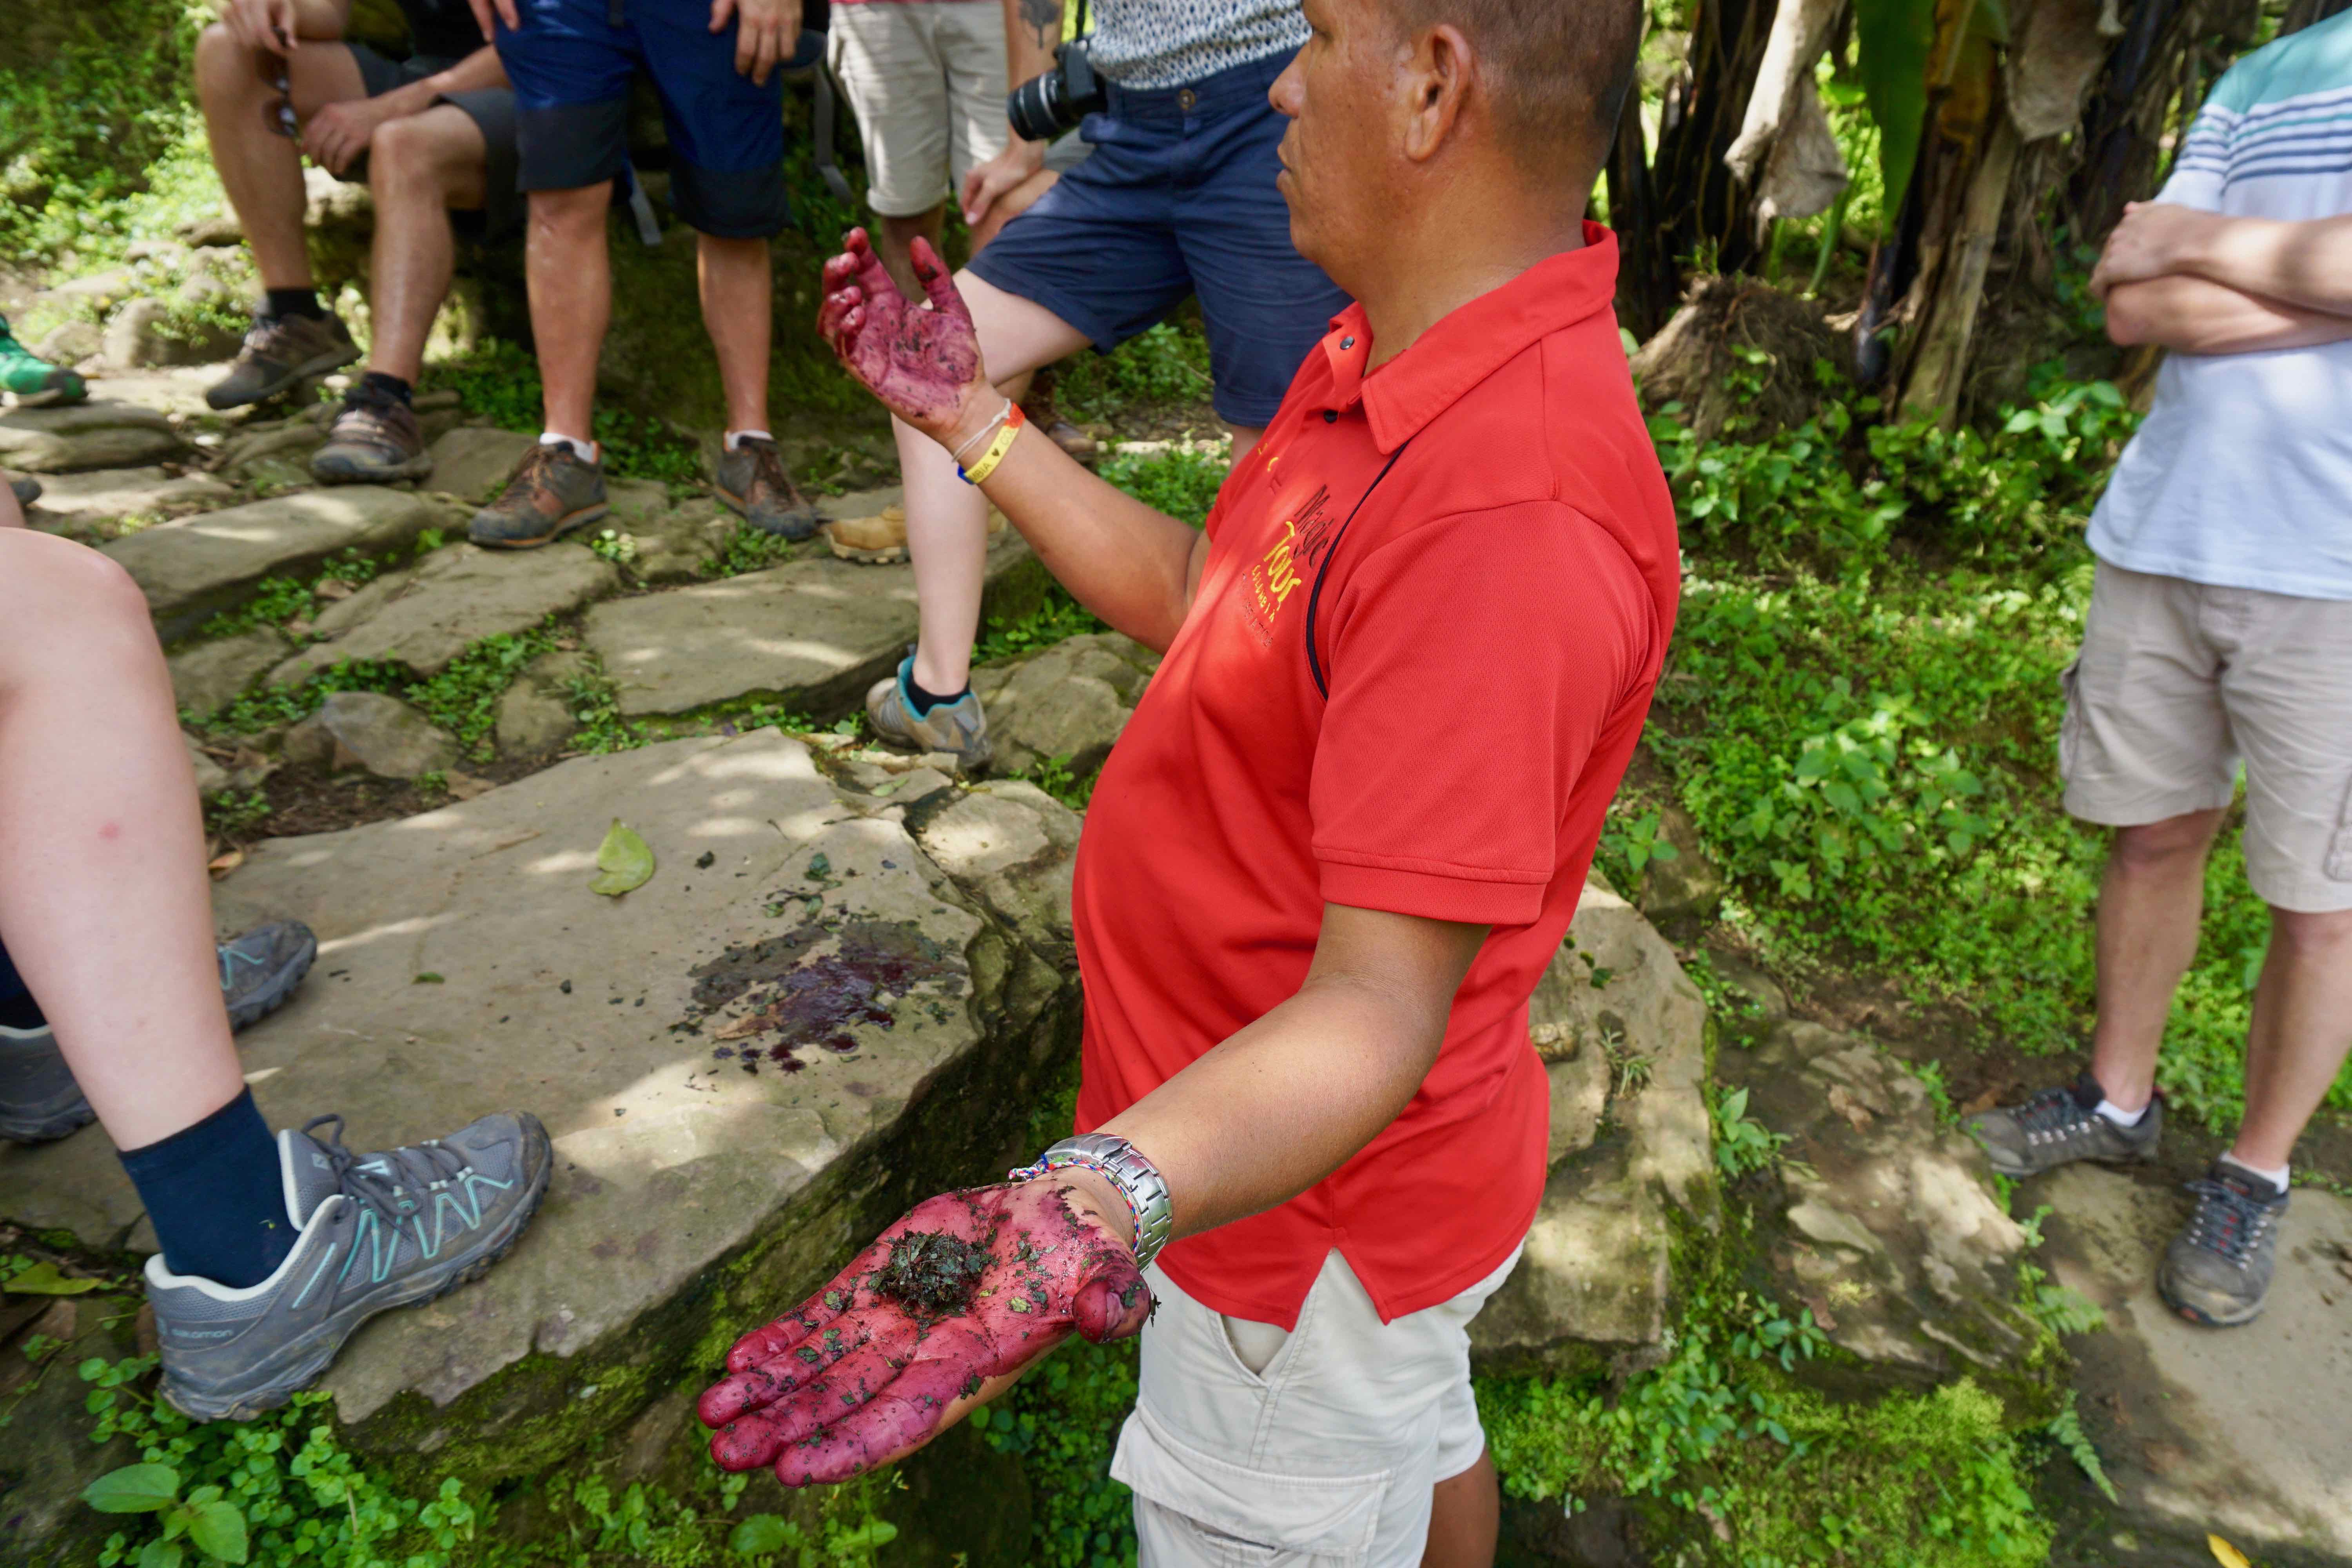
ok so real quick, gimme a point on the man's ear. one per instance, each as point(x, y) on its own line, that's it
point(1440, 74)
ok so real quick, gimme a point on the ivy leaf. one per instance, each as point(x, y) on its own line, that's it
point(43, 1280)
point(162, 1554)
point(218, 1530)
point(623, 861)
point(761, 1535)
point(134, 1488)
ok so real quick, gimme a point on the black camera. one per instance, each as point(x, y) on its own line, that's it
point(1053, 101)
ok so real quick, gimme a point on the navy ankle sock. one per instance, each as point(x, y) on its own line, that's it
point(296, 302)
point(389, 385)
point(924, 701)
point(17, 1008)
point(216, 1198)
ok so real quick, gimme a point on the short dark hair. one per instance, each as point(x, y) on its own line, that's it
point(1563, 66)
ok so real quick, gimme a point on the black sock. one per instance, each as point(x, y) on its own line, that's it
point(216, 1198)
point(286, 302)
point(388, 385)
point(17, 1008)
point(924, 701)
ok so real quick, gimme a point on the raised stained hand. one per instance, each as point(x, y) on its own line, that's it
point(968, 1289)
point(921, 360)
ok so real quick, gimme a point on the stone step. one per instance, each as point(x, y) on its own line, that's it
point(98, 434)
point(97, 500)
point(701, 1184)
point(813, 632)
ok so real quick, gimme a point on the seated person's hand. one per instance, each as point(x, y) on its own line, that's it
point(767, 32)
point(266, 24)
point(922, 361)
point(1008, 172)
point(933, 1319)
point(335, 135)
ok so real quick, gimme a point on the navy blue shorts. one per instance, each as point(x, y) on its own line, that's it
point(571, 67)
point(1179, 198)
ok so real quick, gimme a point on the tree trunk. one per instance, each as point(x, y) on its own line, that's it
point(1707, 216)
point(1649, 285)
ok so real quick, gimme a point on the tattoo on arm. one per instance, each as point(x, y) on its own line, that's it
point(1045, 18)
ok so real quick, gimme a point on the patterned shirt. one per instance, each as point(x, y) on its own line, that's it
point(1151, 44)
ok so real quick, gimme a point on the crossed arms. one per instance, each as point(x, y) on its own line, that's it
point(2200, 283)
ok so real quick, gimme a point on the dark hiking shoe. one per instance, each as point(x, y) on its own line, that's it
point(959, 726)
point(375, 1231)
point(32, 380)
point(260, 969)
point(39, 1101)
point(552, 491)
point(279, 351)
point(373, 440)
point(752, 480)
point(2060, 1126)
point(25, 488)
point(2218, 1269)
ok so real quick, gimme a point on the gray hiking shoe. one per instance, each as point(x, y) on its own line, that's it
point(752, 481)
point(550, 492)
point(2218, 1269)
point(25, 488)
point(373, 440)
point(2060, 1126)
point(959, 726)
point(279, 351)
point(39, 1102)
point(376, 1231)
point(260, 969)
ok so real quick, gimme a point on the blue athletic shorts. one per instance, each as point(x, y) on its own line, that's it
point(571, 67)
point(1179, 198)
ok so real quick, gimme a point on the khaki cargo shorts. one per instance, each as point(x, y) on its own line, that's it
point(2178, 681)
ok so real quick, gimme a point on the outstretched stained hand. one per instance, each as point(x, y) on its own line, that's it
point(921, 360)
point(964, 1291)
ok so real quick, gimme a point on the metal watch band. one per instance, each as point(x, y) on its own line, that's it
point(1138, 1181)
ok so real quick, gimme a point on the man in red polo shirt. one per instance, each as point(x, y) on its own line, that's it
point(1336, 846)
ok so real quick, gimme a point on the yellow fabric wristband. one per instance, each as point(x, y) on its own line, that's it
point(978, 473)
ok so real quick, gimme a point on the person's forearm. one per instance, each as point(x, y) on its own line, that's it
point(1032, 28)
point(2197, 316)
point(1128, 563)
point(2305, 264)
point(477, 71)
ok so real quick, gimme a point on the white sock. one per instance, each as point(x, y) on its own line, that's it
point(586, 451)
point(736, 437)
point(2276, 1178)
point(2122, 1118)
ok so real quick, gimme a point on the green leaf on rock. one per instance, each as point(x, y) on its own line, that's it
point(162, 1554)
point(43, 1280)
point(134, 1488)
point(218, 1530)
point(623, 861)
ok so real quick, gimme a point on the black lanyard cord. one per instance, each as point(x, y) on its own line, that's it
point(1314, 665)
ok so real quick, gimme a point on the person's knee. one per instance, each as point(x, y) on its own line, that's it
point(2313, 936)
point(400, 151)
point(59, 588)
point(224, 67)
point(569, 211)
point(2157, 845)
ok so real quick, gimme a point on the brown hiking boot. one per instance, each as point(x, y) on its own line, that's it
point(552, 491)
point(279, 351)
point(752, 479)
point(373, 440)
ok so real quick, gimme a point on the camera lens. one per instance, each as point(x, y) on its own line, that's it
point(1037, 108)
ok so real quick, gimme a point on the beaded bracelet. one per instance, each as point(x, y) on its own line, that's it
point(978, 473)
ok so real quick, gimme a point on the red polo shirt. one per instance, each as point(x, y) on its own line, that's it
point(1489, 622)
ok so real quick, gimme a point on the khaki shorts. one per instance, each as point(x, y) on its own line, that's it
point(2178, 681)
point(1251, 1448)
point(926, 80)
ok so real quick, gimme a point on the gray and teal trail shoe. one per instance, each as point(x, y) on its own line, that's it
point(552, 491)
point(39, 1101)
point(752, 482)
point(959, 726)
point(278, 353)
point(32, 380)
point(375, 1232)
point(2218, 1269)
point(2060, 1126)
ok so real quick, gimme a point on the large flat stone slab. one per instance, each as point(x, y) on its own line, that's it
point(98, 434)
point(1069, 700)
point(2243, 1431)
point(474, 461)
point(425, 616)
point(198, 565)
point(813, 632)
point(465, 966)
point(101, 499)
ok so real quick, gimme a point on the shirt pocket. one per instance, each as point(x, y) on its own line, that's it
point(1268, 1516)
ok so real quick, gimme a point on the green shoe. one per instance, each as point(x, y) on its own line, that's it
point(32, 380)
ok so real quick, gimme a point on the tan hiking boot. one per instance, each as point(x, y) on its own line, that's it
point(881, 539)
point(279, 351)
point(373, 440)
point(752, 481)
point(552, 492)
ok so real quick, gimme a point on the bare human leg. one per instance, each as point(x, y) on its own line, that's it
point(2302, 1029)
point(737, 301)
point(261, 170)
point(102, 888)
point(1465, 1517)
point(2149, 906)
point(894, 236)
point(569, 276)
point(418, 169)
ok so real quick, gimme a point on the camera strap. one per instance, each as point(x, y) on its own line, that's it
point(1315, 665)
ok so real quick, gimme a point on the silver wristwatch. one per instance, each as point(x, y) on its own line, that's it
point(1138, 1181)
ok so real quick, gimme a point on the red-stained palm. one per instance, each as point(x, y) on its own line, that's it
point(921, 360)
point(858, 1375)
